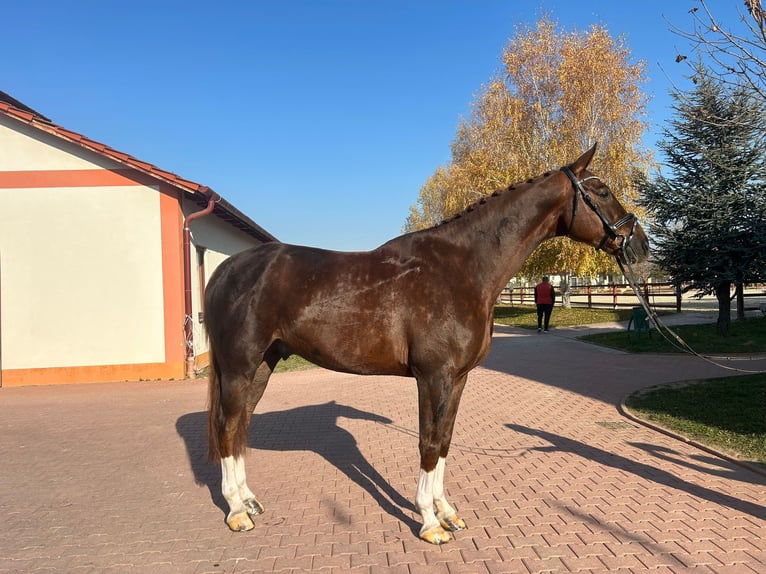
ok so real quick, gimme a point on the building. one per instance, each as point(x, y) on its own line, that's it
point(103, 258)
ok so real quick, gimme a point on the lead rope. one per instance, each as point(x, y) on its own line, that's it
point(662, 328)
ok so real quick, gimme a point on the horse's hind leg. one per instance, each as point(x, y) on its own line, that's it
point(234, 482)
point(243, 504)
point(232, 476)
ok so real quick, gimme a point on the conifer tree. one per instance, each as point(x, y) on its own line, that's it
point(707, 216)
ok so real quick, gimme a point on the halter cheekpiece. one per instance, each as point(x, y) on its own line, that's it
point(610, 229)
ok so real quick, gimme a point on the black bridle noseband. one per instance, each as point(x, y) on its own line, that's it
point(610, 229)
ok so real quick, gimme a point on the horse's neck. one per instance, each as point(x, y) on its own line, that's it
point(504, 232)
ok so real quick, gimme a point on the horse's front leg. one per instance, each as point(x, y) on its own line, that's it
point(438, 403)
point(448, 518)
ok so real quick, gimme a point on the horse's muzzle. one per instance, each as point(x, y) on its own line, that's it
point(635, 250)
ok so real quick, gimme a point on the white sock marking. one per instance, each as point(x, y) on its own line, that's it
point(424, 500)
point(229, 485)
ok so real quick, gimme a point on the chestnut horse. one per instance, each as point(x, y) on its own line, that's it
point(420, 305)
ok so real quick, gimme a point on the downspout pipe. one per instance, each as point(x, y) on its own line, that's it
point(188, 320)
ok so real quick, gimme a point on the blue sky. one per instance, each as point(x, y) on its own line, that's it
point(319, 119)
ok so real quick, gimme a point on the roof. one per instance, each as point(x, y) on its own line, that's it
point(199, 193)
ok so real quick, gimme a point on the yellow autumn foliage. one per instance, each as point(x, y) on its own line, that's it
point(556, 94)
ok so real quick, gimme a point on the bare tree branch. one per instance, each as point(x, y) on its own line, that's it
point(734, 56)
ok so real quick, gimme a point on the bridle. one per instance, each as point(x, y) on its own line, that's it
point(610, 229)
point(611, 232)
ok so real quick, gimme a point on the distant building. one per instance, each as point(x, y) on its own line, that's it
point(94, 284)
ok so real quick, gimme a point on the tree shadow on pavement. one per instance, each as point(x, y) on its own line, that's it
point(310, 428)
point(563, 444)
point(708, 464)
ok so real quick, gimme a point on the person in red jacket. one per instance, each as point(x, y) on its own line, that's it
point(545, 297)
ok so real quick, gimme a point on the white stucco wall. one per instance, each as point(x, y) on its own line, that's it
point(80, 267)
point(219, 239)
point(80, 277)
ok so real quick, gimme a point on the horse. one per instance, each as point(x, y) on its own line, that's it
point(420, 305)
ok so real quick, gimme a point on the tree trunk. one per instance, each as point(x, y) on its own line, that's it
point(740, 290)
point(566, 300)
point(722, 291)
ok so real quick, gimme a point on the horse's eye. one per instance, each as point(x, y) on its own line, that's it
point(602, 191)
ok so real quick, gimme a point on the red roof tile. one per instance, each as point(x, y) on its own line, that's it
point(45, 124)
point(16, 110)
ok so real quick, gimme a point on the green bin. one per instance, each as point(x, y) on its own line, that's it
point(639, 322)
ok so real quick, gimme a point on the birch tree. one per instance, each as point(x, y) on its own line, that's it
point(556, 94)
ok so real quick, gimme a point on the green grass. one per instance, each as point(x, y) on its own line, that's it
point(294, 363)
point(728, 414)
point(526, 316)
point(748, 336)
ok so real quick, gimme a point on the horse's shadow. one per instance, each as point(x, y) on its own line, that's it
point(311, 428)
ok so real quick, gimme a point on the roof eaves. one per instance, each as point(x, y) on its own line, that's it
point(223, 209)
point(226, 211)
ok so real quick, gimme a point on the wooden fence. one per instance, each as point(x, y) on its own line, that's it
point(619, 296)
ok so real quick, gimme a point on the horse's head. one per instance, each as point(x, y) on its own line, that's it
point(602, 221)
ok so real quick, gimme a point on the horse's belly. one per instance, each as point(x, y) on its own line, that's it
point(368, 348)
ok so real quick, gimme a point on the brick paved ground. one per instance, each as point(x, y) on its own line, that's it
point(545, 471)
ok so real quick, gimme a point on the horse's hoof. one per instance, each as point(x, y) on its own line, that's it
point(240, 522)
point(253, 507)
point(436, 535)
point(452, 523)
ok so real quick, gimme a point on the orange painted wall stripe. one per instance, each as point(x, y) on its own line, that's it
point(92, 374)
point(171, 224)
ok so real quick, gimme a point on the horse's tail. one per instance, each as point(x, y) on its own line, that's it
point(215, 416)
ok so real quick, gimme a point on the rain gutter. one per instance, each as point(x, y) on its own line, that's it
point(188, 321)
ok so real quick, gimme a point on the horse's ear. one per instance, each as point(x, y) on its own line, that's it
point(582, 162)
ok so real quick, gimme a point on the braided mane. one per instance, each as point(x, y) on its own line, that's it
point(485, 198)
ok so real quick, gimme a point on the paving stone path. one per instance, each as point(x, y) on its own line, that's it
point(545, 471)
